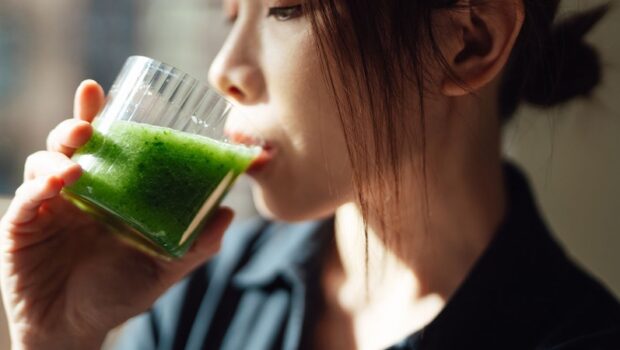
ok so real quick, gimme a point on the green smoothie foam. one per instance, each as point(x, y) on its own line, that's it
point(159, 182)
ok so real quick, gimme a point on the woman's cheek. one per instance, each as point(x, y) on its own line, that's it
point(310, 177)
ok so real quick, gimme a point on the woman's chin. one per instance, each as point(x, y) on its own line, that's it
point(268, 209)
point(286, 209)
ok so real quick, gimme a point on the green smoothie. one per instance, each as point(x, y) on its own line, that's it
point(157, 184)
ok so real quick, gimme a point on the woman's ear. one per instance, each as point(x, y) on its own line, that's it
point(486, 34)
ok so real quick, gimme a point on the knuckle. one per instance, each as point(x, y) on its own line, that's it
point(51, 141)
point(52, 132)
point(6, 226)
point(55, 134)
point(31, 159)
point(65, 123)
point(35, 157)
point(66, 126)
point(20, 192)
point(41, 162)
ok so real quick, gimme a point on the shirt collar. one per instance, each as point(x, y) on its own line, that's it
point(283, 247)
point(512, 291)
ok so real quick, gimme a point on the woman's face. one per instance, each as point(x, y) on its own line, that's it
point(270, 67)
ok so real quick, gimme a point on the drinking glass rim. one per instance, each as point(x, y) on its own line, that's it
point(166, 69)
point(173, 70)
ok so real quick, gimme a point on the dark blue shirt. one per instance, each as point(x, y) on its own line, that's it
point(262, 292)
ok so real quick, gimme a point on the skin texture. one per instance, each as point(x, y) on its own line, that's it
point(271, 69)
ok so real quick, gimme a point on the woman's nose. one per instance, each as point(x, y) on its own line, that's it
point(236, 75)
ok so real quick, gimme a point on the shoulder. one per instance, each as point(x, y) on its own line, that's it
point(592, 321)
point(175, 311)
point(206, 307)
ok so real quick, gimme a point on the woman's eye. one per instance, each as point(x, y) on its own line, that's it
point(285, 13)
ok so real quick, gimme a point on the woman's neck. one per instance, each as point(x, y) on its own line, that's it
point(424, 258)
point(410, 275)
point(424, 262)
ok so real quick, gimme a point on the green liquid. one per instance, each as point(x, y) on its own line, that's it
point(154, 182)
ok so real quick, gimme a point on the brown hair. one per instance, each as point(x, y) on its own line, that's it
point(374, 48)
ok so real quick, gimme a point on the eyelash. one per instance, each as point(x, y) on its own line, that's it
point(287, 13)
point(281, 14)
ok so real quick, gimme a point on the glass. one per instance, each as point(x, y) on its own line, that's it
point(159, 160)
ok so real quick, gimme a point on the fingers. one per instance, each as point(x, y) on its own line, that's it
point(89, 99)
point(45, 175)
point(29, 197)
point(208, 242)
point(68, 136)
point(74, 133)
point(45, 163)
point(206, 245)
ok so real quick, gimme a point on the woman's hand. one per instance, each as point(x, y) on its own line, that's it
point(65, 281)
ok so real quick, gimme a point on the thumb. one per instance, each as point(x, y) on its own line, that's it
point(207, 244)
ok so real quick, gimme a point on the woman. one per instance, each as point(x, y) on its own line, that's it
point(383, 125)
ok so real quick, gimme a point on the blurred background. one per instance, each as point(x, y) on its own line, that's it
point(571, 154)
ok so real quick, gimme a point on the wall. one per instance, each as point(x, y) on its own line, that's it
point(572, 155)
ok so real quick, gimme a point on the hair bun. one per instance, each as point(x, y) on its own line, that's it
point(567, 66)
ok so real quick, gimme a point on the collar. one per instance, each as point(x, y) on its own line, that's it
point(282, 248)
point(516, 290)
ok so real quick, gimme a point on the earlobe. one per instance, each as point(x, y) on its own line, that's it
point(488, 32)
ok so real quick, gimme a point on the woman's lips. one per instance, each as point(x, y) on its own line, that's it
point(241, 138)
point(265, 156)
